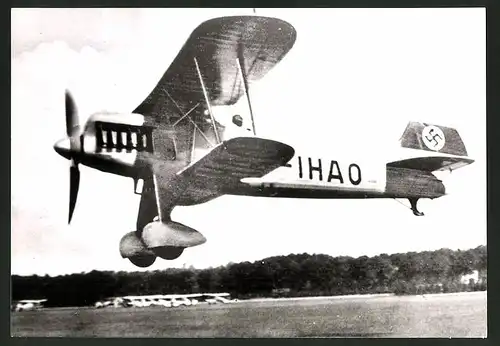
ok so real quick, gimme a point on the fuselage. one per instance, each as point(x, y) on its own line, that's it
point(123, 145)
point(308, 176)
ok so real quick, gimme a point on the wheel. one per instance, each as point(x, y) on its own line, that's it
point(142, 261)
point(168, 252)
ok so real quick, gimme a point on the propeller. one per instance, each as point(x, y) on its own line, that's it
point(72, 123)
point(74, 185)
point(73, 133)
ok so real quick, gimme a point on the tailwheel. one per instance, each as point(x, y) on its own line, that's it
point(168, 252)
point(143, 261)
point(413, 202)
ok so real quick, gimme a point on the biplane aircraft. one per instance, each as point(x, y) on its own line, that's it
point(29, 304)
point(174, 145)
point(166, 300)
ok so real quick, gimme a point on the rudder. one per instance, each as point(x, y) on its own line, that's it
point(433, 138)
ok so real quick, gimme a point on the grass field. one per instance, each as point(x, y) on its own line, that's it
point(443, 315)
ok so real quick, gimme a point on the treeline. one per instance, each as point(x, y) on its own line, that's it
point(292, 275)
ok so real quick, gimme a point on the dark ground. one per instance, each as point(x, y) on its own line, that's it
point(441, 315)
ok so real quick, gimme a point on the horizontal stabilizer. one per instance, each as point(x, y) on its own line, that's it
point(435, 138)
point(432, 163)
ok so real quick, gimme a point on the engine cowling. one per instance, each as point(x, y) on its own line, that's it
point(170, 234)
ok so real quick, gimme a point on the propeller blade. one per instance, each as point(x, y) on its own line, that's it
point(72, 123)
point(74, 185)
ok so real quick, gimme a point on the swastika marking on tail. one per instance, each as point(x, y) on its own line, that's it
point(433, 137)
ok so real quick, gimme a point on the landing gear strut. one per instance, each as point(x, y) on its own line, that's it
point(413, 202)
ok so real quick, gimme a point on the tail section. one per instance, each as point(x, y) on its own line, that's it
point(444, 146)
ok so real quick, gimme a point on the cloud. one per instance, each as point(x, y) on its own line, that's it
point(100, 28)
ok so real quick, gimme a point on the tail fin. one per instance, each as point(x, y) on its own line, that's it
point(433, 138)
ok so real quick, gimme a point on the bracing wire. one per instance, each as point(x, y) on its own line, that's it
point(404, 205)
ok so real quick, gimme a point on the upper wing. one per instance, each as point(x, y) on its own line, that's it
point(222, 169)
point(261, 42)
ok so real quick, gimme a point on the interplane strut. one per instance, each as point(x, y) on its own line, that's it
point(187, 115)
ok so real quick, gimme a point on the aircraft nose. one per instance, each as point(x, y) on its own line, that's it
point(63, 147)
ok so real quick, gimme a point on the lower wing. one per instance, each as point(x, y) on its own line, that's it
point(222, 169)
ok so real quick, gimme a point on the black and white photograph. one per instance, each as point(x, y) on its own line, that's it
point(248, 172)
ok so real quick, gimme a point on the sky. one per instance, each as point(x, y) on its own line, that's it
point(349, 86)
